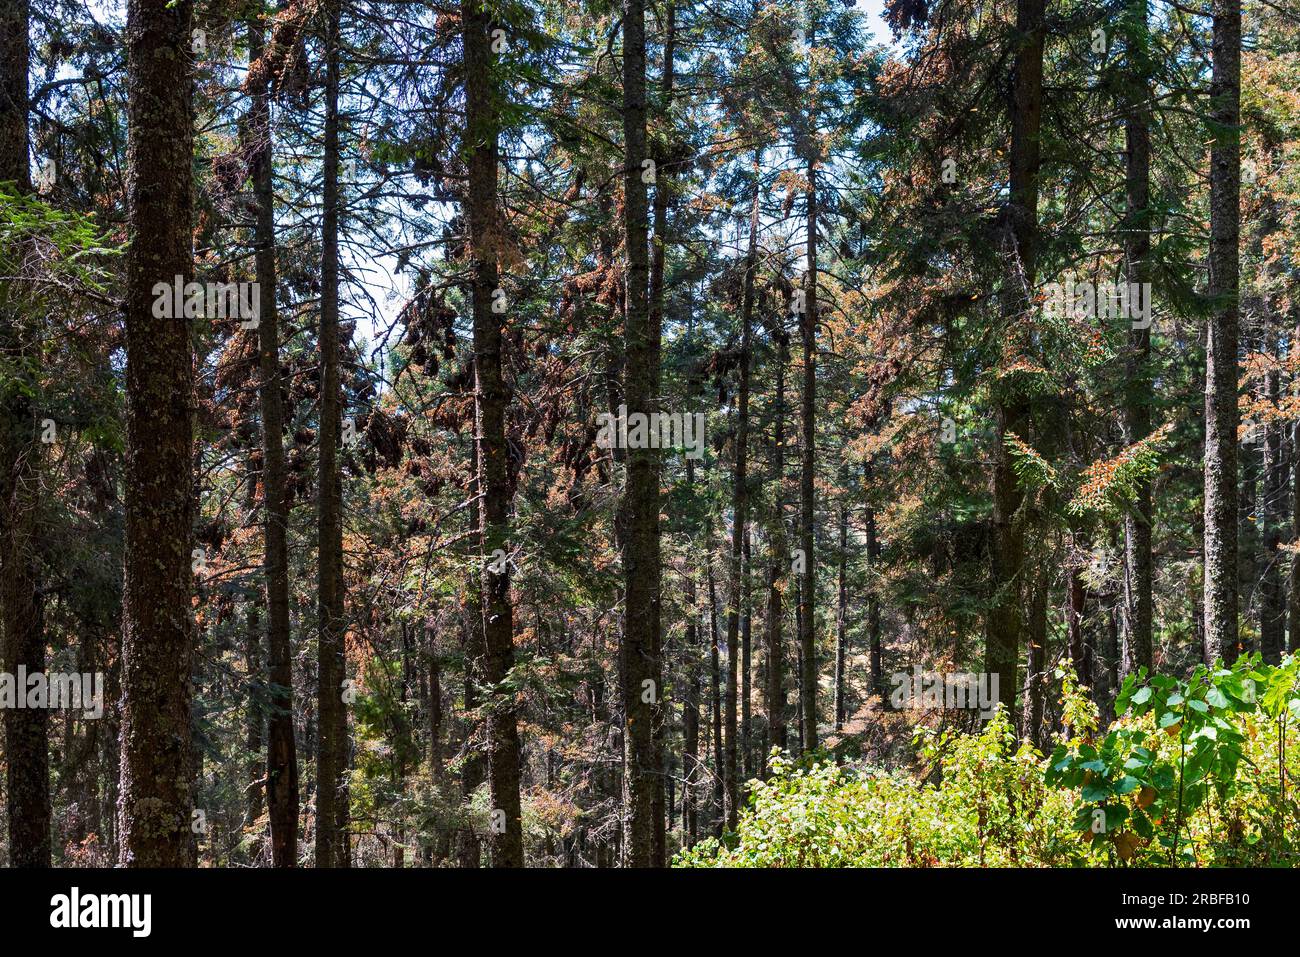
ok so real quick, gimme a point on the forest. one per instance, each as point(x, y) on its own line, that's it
point(650, 433)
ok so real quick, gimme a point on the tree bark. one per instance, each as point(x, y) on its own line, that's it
point(1080, 655)
point(778, 562)
point(1106, 658)
point(331, 756)
point(155, 797)
point(841, 619)
point(873, 613)
point(1137, 413)
point(662, 195)
point(798, 651)
point(1036, 685)
point(473, 768)
point(1293, 576)
point(740, 516)
point(26, 730)
point(1272, 605)
point(1221, 413)
point(691, 707)
point(438, 848)
point(716, 682)
point(281, 747)
point(482, 133)
point(1004, 625)
point(807, 451)
point(746, 661)
point(255, 718)
point(639, 506)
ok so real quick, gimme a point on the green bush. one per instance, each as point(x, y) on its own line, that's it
point(1193, 772)
point(991, 808)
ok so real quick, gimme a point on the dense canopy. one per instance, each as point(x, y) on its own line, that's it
point(578, 434)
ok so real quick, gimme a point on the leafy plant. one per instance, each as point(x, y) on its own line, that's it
point(1177, 745)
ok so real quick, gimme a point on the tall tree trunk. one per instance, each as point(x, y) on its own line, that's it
point(873, 613)
point(663, 188)
point(1036, 684)
point(281, 748)
point(1075, 597)
point(1249, 485)
point(691, 709)
point(26, 730)
point(473, 768)
point(691, 778)
point(1004, 625)
point(439, 847)
point(1272, 614)
point(1221, 414)
point(155, 797)
point(83, 767)
point(798, 651)
point(331, 757)
point(506, 833)
point(777, 563)
point(807, 450)
point(1137, 251)
point(841, 619)
point(1106, 658)
point(110, 753)
point(639, 506)
point(255, 718)
point(1293, 580)
point(740, 517)
point(716, 683)
point(746, 661)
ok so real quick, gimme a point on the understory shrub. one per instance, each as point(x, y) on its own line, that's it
point(1194, 772)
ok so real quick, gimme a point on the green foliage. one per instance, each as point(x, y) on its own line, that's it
point(1106, 486)
point(1193, 771)
point(990, 808)
point(1182, 774)
point(68, 243)
point(1032, 469)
